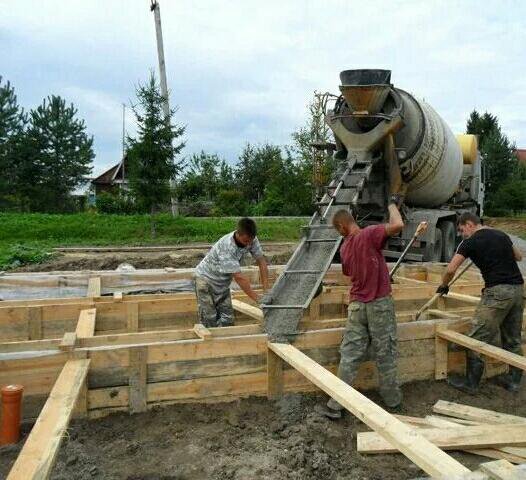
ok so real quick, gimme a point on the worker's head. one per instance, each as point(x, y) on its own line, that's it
point(343, 222)
point(246, 231)
point(468, 224)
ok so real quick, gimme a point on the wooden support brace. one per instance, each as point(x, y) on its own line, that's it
point(132, 317)
point(34, 323)
point(94, 287)
point(249, 310)
point(465, 298)
point(406, 439)
point(202, 332)
point(86, 323)
point(481, 347)
point(117, 296)
point(441, 353)
point(68, 341)
point(38, 455)
point(138, 379)
point(274, 375)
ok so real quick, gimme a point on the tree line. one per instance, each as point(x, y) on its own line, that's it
point(46, 153)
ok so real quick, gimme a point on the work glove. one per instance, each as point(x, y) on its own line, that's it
point(443, 289)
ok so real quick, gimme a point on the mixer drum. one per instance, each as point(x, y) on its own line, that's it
point(432, 166)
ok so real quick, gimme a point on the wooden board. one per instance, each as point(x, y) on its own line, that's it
point(94, 287)
point(479, 436)
point(467, 412)
point(247, 309)
point(484, 348)
point(37, 457)
point(86, 323)
point(407, 440)
point(502, 470)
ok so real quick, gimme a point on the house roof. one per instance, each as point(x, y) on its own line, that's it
point(113, 175)
point(521, 154)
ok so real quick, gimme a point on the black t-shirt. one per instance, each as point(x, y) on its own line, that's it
point(491, 251)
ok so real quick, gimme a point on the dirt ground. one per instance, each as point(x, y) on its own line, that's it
point(277, 254)
point(248, 439)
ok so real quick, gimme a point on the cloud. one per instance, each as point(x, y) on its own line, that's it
point(243, 71)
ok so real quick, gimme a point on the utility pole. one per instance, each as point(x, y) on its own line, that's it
point(123, 141)
point(156, 9)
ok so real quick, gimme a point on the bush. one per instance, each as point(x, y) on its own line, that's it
point(230, 203)
point(198, 208)
point(20, 254)
point(115, 204)
point(510, 198)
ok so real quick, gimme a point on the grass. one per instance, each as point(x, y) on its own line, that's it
point(26, 238)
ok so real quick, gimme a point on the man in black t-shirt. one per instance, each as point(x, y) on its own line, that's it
point(502, 304)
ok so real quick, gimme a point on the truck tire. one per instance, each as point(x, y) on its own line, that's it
point(448, 240)
point(434, 251)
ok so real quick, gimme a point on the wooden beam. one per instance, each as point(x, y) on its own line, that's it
point(68, 341)
point(441, 353)
point(117, 296)
point(34, 323)
point(86, 323)
point(479, 436)
point(132, 317)
point(486, 349)
point(502, 470)
point(274, 375)
point(465, 298)
point(249, 310)
point(138, 379)
point(467, 412)
point(202, 332)
point(38, 455)
point(94, 287)
point(409, 441)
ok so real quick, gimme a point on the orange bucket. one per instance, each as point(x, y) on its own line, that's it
point(11, 414)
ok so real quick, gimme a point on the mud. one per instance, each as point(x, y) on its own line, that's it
point(247, 439)
point(187, 258)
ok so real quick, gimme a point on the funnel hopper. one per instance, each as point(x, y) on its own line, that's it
point(365, 90)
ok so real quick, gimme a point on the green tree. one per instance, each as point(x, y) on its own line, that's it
point(498, 153)
point(152, 153)
point(12, 135)
point(59, 155)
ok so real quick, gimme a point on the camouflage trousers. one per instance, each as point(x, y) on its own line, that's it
point(214, 307)
point(499, 313)
point(371, 327)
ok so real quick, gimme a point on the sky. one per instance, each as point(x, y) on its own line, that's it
point(244, 71)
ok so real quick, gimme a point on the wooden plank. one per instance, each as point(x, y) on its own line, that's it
point(138, 378)
point(274, 375)
point(202, 332)
point(498, 454)
point(132, 317)
point(68, 341)
point(34, 322)
point(86, 323)
point(117, 296)
point(245, 308)
point(38, 455)
point(409, 441)
point(94, 287)
point(489, 350)
point(441, 353)
point(479, 436)
point(442, 313)
point(467, 412)
point(502, 470)
point(472, 300)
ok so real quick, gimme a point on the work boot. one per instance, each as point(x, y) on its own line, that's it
point(392, 398)
point(511, 381)
point(469, 383)
point(330, 410)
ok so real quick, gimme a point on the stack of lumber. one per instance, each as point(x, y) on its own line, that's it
point(454, 426)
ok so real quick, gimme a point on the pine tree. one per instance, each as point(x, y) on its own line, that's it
point(59, 155)
point(12, 129)
point(151, 154)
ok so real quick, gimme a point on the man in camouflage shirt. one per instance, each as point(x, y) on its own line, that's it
point(214, 274)
point(371, 320)
point(502, 303)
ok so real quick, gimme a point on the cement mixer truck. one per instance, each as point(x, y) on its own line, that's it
point(375, 124)
point(442, 172)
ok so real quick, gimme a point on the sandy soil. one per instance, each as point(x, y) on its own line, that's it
point(247, 439)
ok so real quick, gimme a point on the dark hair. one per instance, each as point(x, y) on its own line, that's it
point(343, 216)
point(247, 226)
point(468, 217)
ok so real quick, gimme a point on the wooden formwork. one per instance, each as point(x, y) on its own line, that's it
point(131, 352)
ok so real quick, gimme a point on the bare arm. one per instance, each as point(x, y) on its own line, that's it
point(396, 224)
point(263, 271)
point(456, 261)
point(517, 253)
point(244, 284)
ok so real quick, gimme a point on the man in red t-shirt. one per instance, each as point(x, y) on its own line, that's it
point(371, 318)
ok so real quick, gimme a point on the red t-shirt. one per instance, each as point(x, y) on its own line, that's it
point(362, 260)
